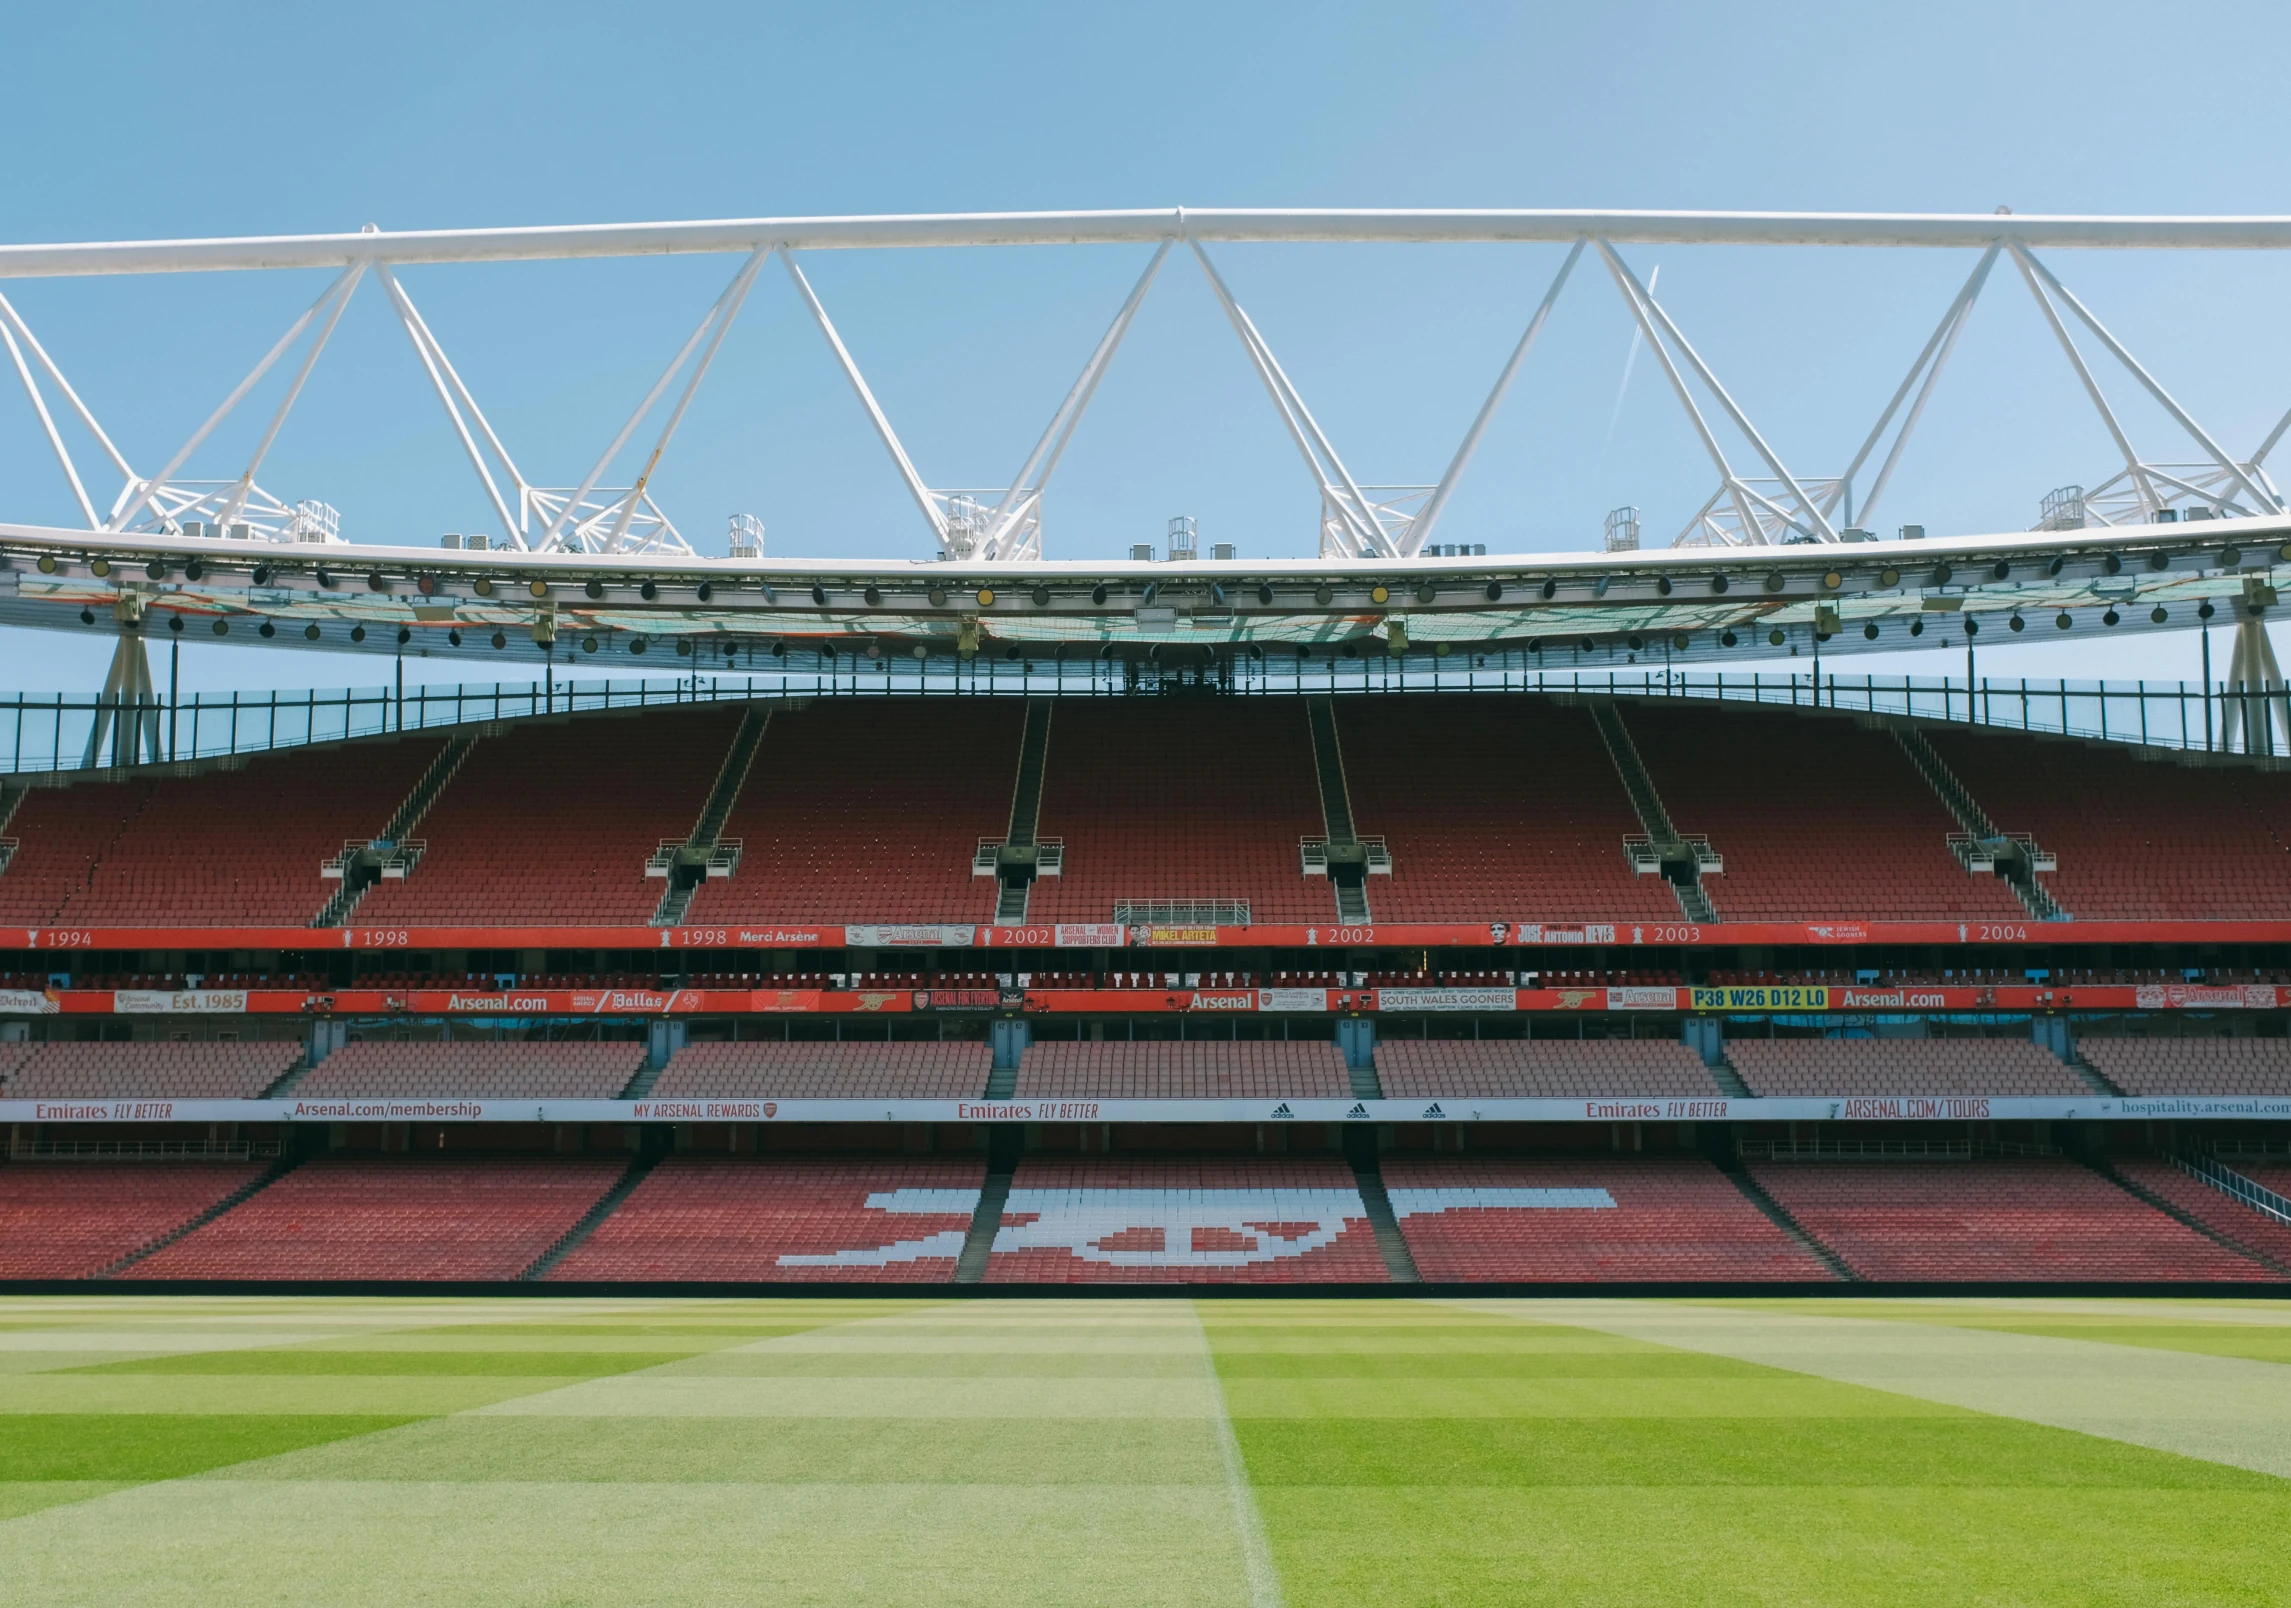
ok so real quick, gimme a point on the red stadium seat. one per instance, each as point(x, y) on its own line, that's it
point(227, 848)
point(2137, 840)
point(551, 825)
point(214, 1070)
point(72, 1219)
point(1815, 817)
point(1541, 1069)
point(1818, 1067)
point(1614, 1218)
point(401, 1217)
point(1188, 1069)
point(766, 1069)
point(483, 1069)
point(733, 1218)
point(1495, 808)
point(1990, 1219)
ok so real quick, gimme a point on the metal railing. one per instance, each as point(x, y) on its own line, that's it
point(44, 734)
point(2228, 1181)
point(29, 1149)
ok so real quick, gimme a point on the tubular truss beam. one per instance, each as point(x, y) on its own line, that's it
point(1360, 520)
point(1974, 230)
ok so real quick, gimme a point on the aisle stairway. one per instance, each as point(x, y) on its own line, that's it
point(696, 859)
point(362, 872)
point(2015, 858)
point(1681, 859)
point(1347, 856)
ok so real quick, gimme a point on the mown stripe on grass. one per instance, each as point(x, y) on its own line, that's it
point(2226, 1409)
point(161, 1446)
point(1839, 1497)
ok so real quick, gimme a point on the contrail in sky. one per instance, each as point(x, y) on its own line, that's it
point(1630, 358)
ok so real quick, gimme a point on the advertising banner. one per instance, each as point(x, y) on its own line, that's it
point(196, 1001)
point(1448, 999)
point(1804, 999)
point(1461, 1108)
point(1062, 935)
point(911, 936)
point(1486, 934)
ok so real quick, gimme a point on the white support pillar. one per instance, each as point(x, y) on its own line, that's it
point(127, 711)
point(2257, 718)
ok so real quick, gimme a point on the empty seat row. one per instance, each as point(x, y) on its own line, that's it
point(483, 1069)
point(1888, 1066)
point(1541, 1069)
point(147, 1070)
point(1184, 1069)
point(777, 1069)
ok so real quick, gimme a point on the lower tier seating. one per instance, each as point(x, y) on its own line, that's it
point(1111, 1220)
point(2217, 1210)
point(2192, 1065)
point(1188, 1069)
point(1991, 1219)
point(730, 1218)
point(479, 1069)
point(1819, 1067)
point(1541, 1069)
point(2275, 1176)
point(148, 1071)
point(402, 1217)
point(768, 1069)
point(72, 1219)
point(1614, 1218)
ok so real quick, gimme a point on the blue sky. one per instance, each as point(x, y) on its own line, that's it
point(147, 121)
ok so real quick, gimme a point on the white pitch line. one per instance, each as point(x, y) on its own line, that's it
point(1248, 1523)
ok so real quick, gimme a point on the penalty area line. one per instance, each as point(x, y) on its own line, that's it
point(1248, 1523)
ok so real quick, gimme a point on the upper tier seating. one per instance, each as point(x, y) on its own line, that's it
point(1113, 1220)
point(1820, 1067)
point(770, 1069)
point(551, 825)
point(1991, 1219)
point(482, 1069)
point(737, 1218)
point(869, 810)
point(148, 1071)
point(1541, 1069)
point(1815, 817)
point(223, 849)
point(1495, 808)
point(1181, 798)
point(403, 1217)
point(1613, 1218)
point(2217, 1210)
point(2192, 1065)
point(71, 1219)
point(1188, 1069)
point(2136, 840)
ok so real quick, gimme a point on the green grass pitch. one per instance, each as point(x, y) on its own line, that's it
point(1142, 1451)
